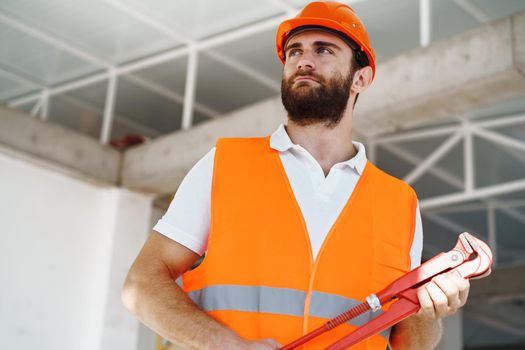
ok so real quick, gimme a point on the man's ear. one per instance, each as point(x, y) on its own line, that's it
point(362, 79)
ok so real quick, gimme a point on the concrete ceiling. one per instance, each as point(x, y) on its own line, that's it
point(46, 44)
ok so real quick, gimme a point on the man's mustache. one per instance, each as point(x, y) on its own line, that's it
point(305, 74)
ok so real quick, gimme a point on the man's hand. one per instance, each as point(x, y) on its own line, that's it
point(442, 296)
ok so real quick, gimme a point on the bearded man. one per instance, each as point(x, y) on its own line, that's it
point(296, 227)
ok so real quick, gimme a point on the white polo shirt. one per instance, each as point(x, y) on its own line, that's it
point(320, 198)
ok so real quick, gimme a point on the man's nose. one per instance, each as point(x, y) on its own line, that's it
point(306, 62)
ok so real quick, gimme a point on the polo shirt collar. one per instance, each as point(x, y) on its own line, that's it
point(280, 141)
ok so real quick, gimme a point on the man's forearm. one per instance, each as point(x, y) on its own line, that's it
point(162, 305)
point(416, 333)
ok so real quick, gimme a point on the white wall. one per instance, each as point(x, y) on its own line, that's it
point(65, 247)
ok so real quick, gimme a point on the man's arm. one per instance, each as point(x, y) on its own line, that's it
point(150, 292)
point(440, 298)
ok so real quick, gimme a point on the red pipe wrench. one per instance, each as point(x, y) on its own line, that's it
point(470, 257)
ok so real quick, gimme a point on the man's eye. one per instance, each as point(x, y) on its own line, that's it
point(293, 52)
point(323, 50)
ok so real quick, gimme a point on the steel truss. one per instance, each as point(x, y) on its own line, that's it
point(111, 73)
point(433, 208)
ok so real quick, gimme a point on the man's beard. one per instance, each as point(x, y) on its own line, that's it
point(308, 104)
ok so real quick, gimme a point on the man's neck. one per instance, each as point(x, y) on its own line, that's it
point(328, 146)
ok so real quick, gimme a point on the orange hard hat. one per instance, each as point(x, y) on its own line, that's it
point(334, 16)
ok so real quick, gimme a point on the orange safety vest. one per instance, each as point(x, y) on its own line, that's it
point(259, 276)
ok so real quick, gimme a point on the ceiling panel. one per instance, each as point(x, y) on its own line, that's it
point(421, 148)
point(501, 8)
point(393, 26)
point(452, 165)
point(495, 164)
point(197, 19)
point(437, 238)
point(95, 26)
point(449, 19)
point(256, 51)
point(170, 75)
point(147, 108)
point(94, 94)
point(224, 89)
point(387, 160)
point(23, 54)
point(430, 185)
point(11, 86)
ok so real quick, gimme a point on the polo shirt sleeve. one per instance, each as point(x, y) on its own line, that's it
point(187, 220)
point(417, 243)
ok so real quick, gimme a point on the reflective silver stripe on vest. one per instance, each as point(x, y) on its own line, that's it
point(251, 299)
point(282, 301)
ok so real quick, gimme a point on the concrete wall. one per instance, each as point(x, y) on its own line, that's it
point(66, 246)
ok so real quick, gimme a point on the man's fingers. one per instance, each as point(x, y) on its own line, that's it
point(427, 306)
point(449, 286)
point(445, 294)
point(439, 299)
point(463, 287)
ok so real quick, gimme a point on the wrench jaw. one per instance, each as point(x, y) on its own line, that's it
point(480, 259)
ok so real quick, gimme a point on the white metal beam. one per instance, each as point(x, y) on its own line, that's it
point(411, 158)
point(189, 90)
point(109, 107)
point(473, 10)
point(499, 122)
point(36, 107)
point(499, 138)
point(230, 62)
point(425, 22)
point(438, 153)
point(496, 122)
point(61, 88)
point(95, 60)
point(149, 61)
point(461, 208)
point(415, 135)
point(44, 110)
point(478, 193)
point(468, 160)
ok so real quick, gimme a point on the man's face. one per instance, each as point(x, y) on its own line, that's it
point(317, 77)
